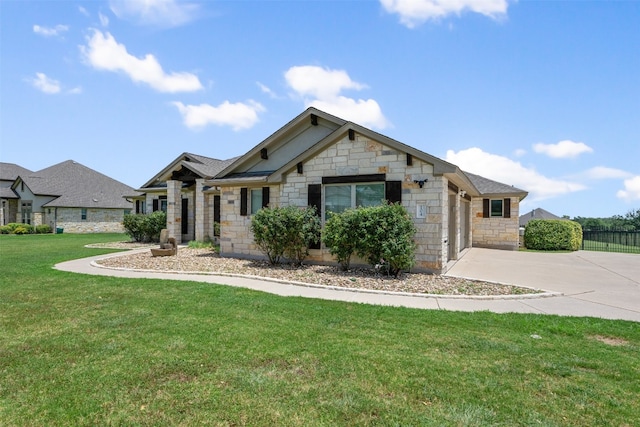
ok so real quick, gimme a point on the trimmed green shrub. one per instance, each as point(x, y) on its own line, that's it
point(382, 235)
point(43, 229)
point(553, 235)
point(341, 235)
point(23, 229)
point(145, 228)
point(285, 231)
point(4, 229)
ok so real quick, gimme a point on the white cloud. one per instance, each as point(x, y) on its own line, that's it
point(103, 52)
point(83, 11)
point(267, 90)
point(602, 172)
point(415, 12)
point(563, 149)
point(631, 190)
point(50, 31)
point(45, 84)
point(507, 171)
point(237, 115)
point(104, 20)
point(162, 13)
point(520, 152)
point(322, 87)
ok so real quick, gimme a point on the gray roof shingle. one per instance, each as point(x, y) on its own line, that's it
point(10, 171)
point(78, 186)
point(487, 186)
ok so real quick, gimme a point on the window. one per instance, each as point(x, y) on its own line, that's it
point(256, 200)
point(127, 211)
point(83, 214)
point(26, 212)
point(339, 197)
point(496, 208)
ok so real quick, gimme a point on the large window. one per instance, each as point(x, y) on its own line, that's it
point(339, 197)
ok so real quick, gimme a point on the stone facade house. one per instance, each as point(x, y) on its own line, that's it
point(67, 196)
point(321, 160)
point(9, 172)
point(179, 189)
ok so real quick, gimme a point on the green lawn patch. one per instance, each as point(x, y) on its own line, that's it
point(592, 245)
point(89, 350)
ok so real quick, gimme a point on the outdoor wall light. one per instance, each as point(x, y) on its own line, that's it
point(463, 193)
point(420, 182)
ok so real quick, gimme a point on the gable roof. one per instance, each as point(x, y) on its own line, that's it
point(205, 167)
point(75, 185)
point(326, 131)
point(537, 213)
point(11, 171)
point(489, 187)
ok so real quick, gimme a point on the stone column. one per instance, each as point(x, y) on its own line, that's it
point(200, 225)
point(174, 209)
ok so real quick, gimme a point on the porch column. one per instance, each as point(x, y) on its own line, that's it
point(201, 211)
point(174, 209)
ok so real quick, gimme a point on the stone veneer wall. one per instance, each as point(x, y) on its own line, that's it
point(359, 157)
point(495, 233)
point(98, 220)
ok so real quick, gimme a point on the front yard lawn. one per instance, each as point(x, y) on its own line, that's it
point(90, 350)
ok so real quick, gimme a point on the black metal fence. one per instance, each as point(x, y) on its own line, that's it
point(609, 239)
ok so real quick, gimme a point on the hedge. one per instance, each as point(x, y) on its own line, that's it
point(553, 235)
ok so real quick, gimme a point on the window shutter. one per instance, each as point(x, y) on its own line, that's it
point(486, 205)
point(265, 197)
point(507, 207)
point(155, 205)
point(185, 216)
point(216, 209)
point(314, 199)
point(243, 201)
point(393, 191)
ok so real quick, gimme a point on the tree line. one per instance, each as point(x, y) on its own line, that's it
point(630, 221)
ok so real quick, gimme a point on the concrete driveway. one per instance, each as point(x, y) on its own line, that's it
point(599, 284)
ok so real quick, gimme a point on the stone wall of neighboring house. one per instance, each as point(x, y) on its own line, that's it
point(98, 220)
point(497, 232)
point(359, 157)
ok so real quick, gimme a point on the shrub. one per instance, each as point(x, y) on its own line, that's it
point(382, 235)
point(145, 228)
point(4, 229)
point(341, 234)
point(386, 237)
point(285, 231)
point(553, 235)
point(43, 229)
point(22, 229)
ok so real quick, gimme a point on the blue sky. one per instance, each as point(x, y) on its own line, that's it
point(542, 95)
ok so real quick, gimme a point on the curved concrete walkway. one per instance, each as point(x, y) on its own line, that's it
point(593, 284)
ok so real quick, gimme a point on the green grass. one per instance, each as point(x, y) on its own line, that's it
point(89, 350)
point(591, 245)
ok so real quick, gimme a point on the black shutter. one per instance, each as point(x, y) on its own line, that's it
point(486, 206)
point(393, 191)
point(507, 207)
point(265, 197)
point(185, 216)
point(216, 209)
point(243, 201)
point(155, 205)
point(314, 199)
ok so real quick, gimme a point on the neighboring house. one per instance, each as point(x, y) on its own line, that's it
point(72, 197)
point(8, 198)
point(193, 207)
point(536, 214)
